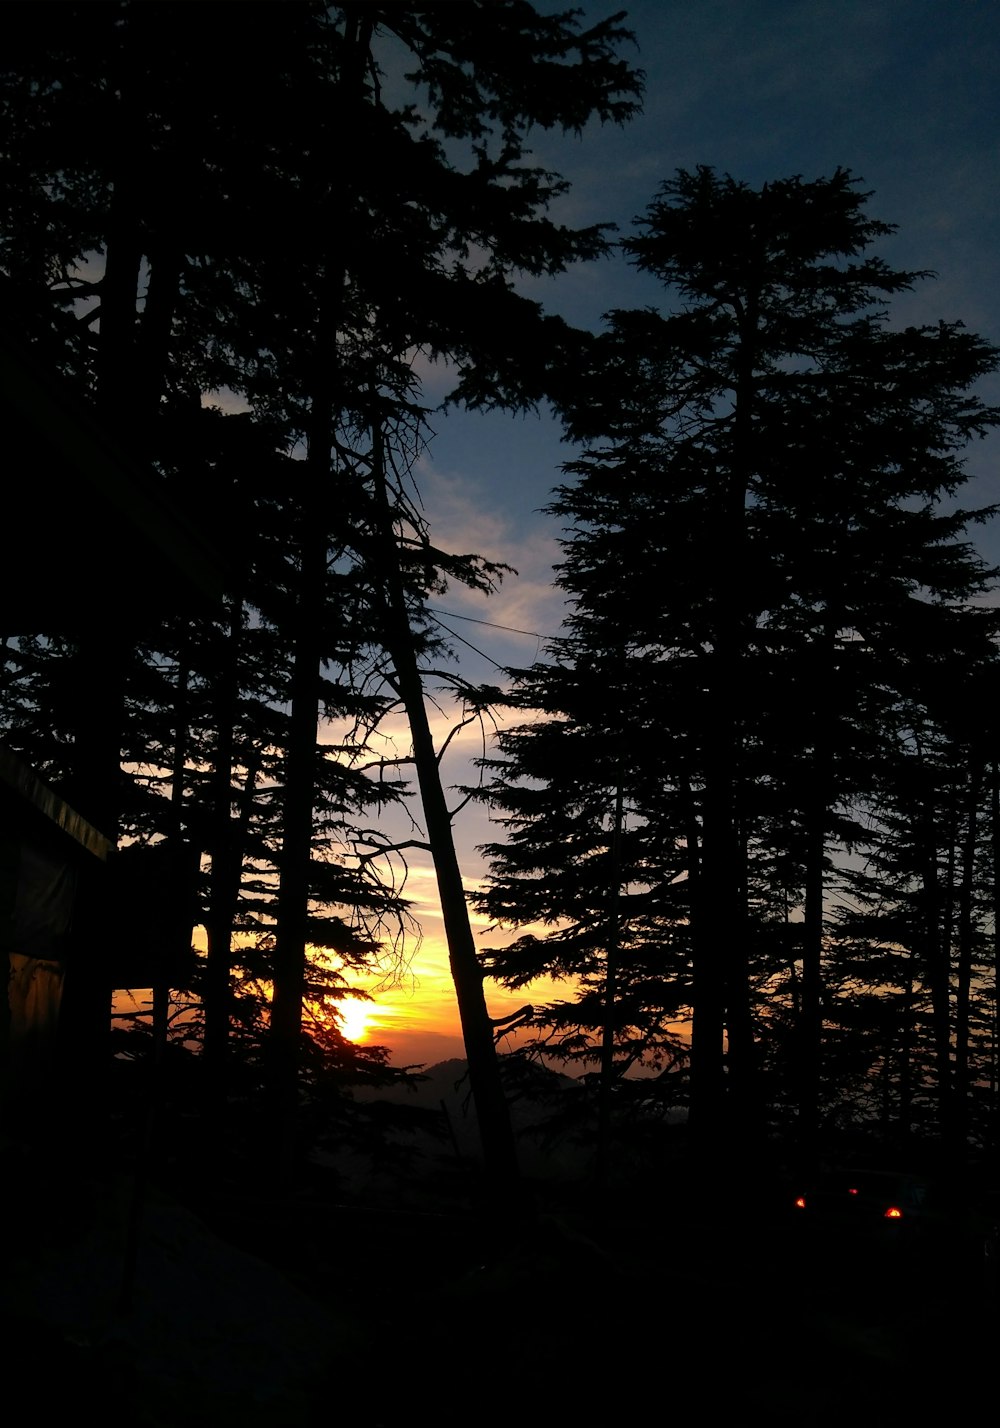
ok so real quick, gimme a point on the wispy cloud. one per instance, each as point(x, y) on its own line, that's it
point(464, 519)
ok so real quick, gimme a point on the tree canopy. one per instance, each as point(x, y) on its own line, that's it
point(760, 535)
point(281, 234)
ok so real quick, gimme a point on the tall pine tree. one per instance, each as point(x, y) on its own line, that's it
point(755, 525)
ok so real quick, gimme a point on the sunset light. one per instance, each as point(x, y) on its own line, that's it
point(499, 754)
point(354, 1018)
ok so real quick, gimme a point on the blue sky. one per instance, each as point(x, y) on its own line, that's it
point(904, 93)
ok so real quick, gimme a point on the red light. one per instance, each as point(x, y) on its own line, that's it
point(852, 1191)
point(893, 1213)
point(800, 1203)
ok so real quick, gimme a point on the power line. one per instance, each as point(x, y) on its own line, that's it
point(511, 629)
point(468, 643)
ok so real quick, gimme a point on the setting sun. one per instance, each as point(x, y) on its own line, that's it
point(354, 1015)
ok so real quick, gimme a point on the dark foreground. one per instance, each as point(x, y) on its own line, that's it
point(308, 1309)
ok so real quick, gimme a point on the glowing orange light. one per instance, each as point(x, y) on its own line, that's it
point(800, 1203)
point(893, 1213)
point(354, 1016)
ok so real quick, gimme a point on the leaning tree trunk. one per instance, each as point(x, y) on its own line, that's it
point(496, 1135)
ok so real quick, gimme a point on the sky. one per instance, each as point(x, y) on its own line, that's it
point(904, 94)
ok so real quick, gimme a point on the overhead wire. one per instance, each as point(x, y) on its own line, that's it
point(468, 643)
point(490, 624)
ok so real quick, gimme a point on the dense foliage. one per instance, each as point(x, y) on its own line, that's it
point(773, 601)
point(234, 265)
point(751, 808)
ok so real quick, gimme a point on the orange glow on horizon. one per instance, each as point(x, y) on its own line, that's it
point(411, 1008)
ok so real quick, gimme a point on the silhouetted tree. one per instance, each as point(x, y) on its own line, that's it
point(574, 789)
point(165, 279)
point(757, 524)
point(924, 895)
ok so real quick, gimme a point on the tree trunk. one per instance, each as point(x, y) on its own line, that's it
point(811, 1017)
point(819, 783)
point(937, 959)
point(995, 1049)
point(904, 1119)
point(292, 922)
point(610, 993)
point(963, 988)
point(291, 933)
point(707, 1007)
point(496, 1134)
point(728, 885)
point(220, 908)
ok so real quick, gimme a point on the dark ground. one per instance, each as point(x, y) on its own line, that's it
point(420, 1306)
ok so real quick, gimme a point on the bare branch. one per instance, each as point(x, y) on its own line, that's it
point(455, 730)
